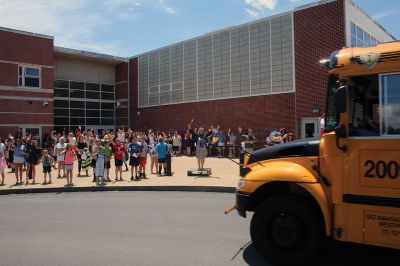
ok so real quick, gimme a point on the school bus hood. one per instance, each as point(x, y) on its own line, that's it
point(298, 148)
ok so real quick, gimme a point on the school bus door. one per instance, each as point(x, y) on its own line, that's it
point(371, 193)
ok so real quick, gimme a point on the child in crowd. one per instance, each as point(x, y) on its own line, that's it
point(134, 149)
point(221, 143)
point(232, 143)
point(60, 152)
point(94, 151)
point(176, 143)
point(3, 166)
point(108, 155)
point(100, 165)
point(47, 162)
point(153, 157)
point(69, 163)
point(162, 150)
point(126, 155)
point(143, 157)
point(119, 151)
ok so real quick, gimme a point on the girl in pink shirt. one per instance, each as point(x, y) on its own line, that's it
point(69, 163)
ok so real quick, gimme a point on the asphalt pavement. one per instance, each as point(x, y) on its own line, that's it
point(121, 228)
point(138, 228)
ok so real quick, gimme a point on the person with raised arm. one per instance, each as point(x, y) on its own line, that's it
point(200, 140)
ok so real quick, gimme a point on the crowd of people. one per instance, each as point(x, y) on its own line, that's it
point(94, 151)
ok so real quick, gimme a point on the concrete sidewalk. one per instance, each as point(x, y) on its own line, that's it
point(224, 177)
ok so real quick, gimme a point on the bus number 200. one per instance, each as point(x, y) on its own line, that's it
point(382, 169)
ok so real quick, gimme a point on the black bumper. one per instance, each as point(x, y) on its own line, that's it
point(242, 201)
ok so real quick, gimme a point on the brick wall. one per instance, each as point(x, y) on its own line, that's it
point(8, 74)
point(318, 31)
point(260, 113)
point(133, 103)
point(17, 48)
point(24, 48)
point(121, 93)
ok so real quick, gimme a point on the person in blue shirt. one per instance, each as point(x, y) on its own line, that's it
point(134, 149)
point(221, 143)
point(162, 151)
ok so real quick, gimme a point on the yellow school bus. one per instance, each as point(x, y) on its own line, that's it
point(345, 185)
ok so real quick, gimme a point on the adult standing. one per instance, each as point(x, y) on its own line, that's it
point(200, 139)
point(284, 134)
point(35, 153)
point(249, 140)
point(19, 159)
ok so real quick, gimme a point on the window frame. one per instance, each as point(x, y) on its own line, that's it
point(22, 76)
point(354, 35)
point(381, 135)
point(381, 102)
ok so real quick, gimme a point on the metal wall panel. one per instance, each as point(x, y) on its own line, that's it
point(252, 59)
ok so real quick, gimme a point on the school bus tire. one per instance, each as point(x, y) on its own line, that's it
point(287, 230)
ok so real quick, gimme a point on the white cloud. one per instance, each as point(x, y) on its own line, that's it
point(385, 14)
point(262, 4)
point(167, 8)
point(76, 24)
point(251, 12)
point(69, 21)
point(295, 1)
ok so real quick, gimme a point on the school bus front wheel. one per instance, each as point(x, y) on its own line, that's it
point(287, 229)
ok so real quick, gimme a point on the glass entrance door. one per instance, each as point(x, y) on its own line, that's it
point(309, 127)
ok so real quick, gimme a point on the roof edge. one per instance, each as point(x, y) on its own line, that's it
point(27, 33)
point(91, 55)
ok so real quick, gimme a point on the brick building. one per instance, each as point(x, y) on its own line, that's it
point(262, 75)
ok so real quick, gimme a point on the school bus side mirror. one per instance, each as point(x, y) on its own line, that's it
point(340, 100)
point(341, 133)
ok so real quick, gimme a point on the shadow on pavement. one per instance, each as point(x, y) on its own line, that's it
point(252, 257)
point(337, 253)
point(341, 253)
point(199, 176)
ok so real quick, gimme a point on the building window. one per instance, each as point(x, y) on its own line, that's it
point(361, 38)
point(83, 103)
point(29, 77)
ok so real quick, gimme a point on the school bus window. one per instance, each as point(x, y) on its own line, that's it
point(391, 104)
point(364, 106)
point(332, 117)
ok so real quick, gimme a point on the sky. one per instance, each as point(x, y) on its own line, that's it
point(130, 27)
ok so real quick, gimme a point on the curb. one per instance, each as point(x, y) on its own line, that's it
point(120, 188)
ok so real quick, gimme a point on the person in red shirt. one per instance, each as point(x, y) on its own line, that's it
point(119, 151)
